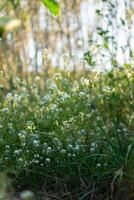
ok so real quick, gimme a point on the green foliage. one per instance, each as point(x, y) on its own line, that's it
point(89, 58)
point(79, 131)
point(53, 6)
point(15, 3)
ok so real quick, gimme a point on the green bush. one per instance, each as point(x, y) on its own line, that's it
point(76, 138)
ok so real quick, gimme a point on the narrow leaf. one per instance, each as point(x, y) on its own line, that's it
point(53, 6)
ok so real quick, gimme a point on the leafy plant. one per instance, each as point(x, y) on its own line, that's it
point(53, 6)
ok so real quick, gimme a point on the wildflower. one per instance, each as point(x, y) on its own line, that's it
point(37, 78)
point(48, 160)
point(63, 151)
point(77, 147)
point(49, 149)
point(54, 108)
point(64, 96)
point(36, 143)
point(27, 195)
point(10, 125)
point(5, 110)
point(30, 125)
point(98, 165)
point(84, 81)
point(21, 136)
point(52, 86)
point(17, 98)
point(20, 160)
point(9, 96)
point(45, 145)
point(57, 76)
point(81, 94)
point(56, 139)
point(36, 161)
point(17, 152)
point(46, 98)
point(70, 146)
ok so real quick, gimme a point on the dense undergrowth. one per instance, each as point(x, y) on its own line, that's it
point(75, 140)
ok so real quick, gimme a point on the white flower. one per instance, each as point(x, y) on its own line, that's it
point(64, 96)
point(63, 151)
point(37, 78)
point(17, 152)
point(81, 94)
point(17, 98)
point(53, 86)
point(47, 160)
point(84, 81)
point(57, 76)
point(21, 136)
point(45, 145)
point(5, 110)
point(77, 147)
point(54, 108)
point(70, 146)
point(9, 96)
point(56, 139)
point(36, 143)
point(49, 149)
point(27, 195)
point(20, 160)
point(46, 98)
point(36, 161)
point(98, 165)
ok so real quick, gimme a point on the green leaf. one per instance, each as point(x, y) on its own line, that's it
point(7, 24)
point(53, 6)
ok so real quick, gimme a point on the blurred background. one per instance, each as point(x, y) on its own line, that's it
point(85, 28)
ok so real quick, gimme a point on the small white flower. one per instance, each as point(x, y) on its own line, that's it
point(27, 195)
point(5, 110)
point(77, 147)
point(49, 149)
point(98, 165)
point(45, 145)
point(56, 139)
point(63, 151)
point(70, 146)
point(36, 161)
point(37, 78)
point(81, 94)
point(57, 76)
point(22, 137)
point(36, 143)
point(48, 160)
point(17, 152)
point(20, 160)
point(73, 155)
